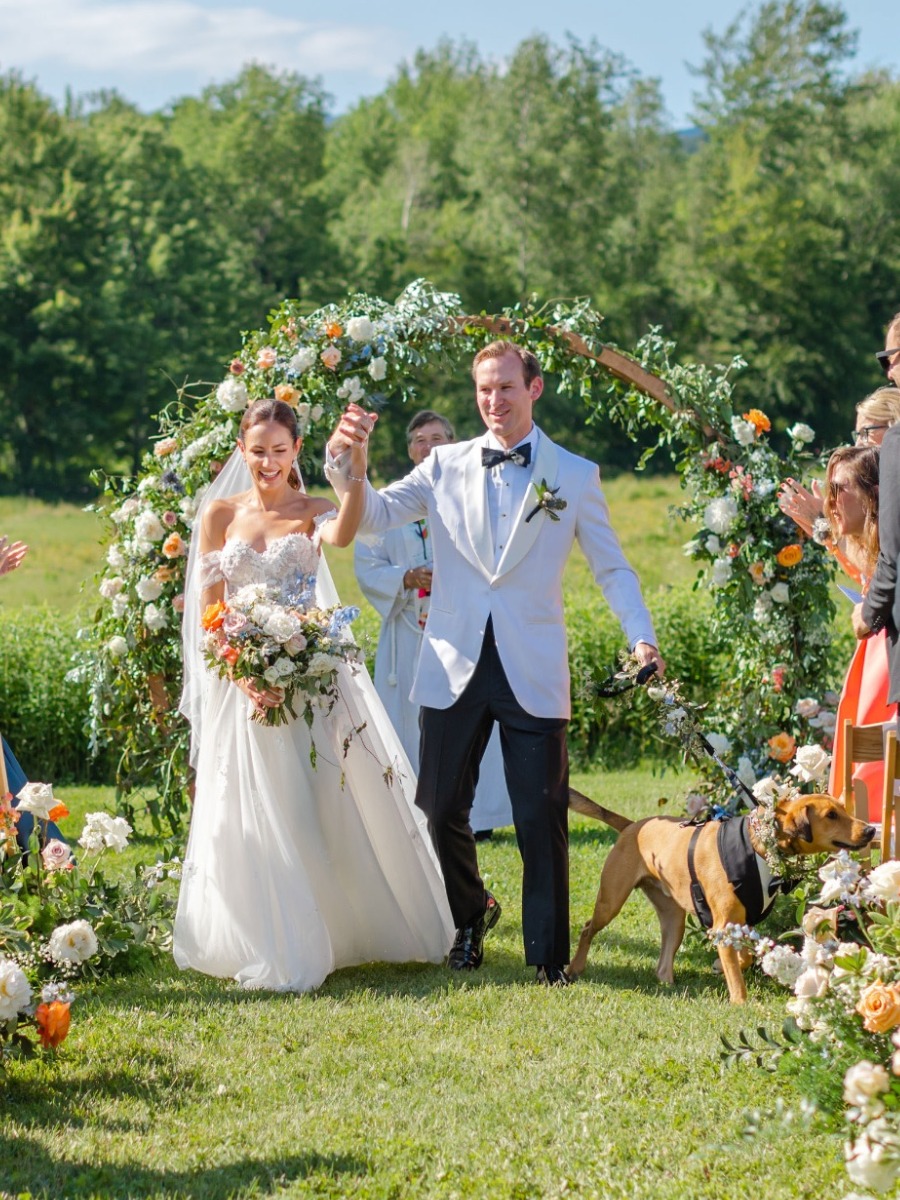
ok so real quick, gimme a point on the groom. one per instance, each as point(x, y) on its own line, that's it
point(503, 511)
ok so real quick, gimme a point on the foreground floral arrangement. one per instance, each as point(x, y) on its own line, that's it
point(61, 919)
point(845, 1008)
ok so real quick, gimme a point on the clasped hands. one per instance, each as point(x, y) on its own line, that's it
point(353, 430)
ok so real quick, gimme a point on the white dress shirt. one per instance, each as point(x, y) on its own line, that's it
point(507, 485)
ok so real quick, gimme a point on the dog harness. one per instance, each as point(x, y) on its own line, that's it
point(748, 873)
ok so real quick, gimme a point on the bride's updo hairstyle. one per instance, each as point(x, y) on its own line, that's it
point(261, 412)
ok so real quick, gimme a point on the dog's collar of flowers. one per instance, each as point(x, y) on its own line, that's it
point(764, 828)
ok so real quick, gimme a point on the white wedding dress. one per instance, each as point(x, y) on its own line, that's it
point(293, 871)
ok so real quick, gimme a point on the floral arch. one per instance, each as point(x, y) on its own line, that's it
point(770, 592)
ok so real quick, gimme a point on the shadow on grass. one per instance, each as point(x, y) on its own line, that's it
point(39, 1175)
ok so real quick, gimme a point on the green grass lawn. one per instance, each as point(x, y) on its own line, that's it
point(404, 1081)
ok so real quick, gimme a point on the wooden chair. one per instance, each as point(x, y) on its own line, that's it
point(871, 743)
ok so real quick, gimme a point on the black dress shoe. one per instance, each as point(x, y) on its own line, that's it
point(548, 976)
point(466, 952)
point(483, 835)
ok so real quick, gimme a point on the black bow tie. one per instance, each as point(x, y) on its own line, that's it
point(521, 456)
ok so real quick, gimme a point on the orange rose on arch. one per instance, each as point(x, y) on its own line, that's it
point(287, 394)
point(333, 329)
point(782, 747)
point(174, 546)
point(789, 556)
point(758, 420)
point(214, 615)
point(52, 1021)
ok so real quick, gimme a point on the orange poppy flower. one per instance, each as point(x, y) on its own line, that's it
point(789, 556)
point(214, 615)
point(58, 812)
point(53, 1022)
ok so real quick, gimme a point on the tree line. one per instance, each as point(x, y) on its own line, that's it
point(135, 247)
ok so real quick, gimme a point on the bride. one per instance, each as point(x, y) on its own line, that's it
point(292, 870)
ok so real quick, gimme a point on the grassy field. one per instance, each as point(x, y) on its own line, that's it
point(394, 1082)
point(65, 553)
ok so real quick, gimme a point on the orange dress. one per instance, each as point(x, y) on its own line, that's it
point(864, 702)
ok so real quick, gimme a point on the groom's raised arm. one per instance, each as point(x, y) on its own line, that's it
point(400, 502)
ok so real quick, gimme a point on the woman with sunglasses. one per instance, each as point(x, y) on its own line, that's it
point(889, 357)
point(851, 510)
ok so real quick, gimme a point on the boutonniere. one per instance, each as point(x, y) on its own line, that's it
point(546, 502)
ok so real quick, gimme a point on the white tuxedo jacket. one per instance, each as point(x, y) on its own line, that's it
point(523, 591)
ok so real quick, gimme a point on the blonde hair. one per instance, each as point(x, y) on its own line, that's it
point(863, 464)
point(882, 405)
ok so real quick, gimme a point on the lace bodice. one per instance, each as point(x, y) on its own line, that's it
point(288, 565)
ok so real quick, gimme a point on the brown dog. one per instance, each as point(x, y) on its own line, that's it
point(652, 855)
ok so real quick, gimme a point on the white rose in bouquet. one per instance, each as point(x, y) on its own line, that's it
point(282, 626)
point(73, 943)
point(15, 991)
point(801, 433)
point(321, 664)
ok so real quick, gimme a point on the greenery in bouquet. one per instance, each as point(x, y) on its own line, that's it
point(60, 916)
point(282, 642)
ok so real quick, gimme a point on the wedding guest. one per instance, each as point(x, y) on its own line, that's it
point(11, 555)
point(881, 608)
point(395, 573)
point(505, 510)
point(851, 509)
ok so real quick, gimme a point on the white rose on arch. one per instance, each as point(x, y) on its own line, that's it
point(352, 390)
point(360, 329)
point(232, 395)
point(73, 943)
point(721, 573)
point(148, 589)
point(780, 593)
point(377, 369)
point(148, 527)
point(744, 431)
point(15, 990)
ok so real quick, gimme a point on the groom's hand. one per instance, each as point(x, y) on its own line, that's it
point(353, 429)
point(647, 654)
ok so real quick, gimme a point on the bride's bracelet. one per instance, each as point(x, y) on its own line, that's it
point(357, 478)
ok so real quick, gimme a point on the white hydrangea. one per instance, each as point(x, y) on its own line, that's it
point(721, 572)
point(148, 589)
point(155, 618)
point(15, 990)
point(232, 395)
point(73, 943)
point(117, 646)
point(783, 964)
point(360, 329)
point(720, 514)
point(302, 360)
point(101, 831)
point(148, 527)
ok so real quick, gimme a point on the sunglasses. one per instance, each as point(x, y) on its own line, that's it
point(861, 436)
point(884, 359)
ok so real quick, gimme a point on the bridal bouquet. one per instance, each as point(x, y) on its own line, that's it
point(256, 635)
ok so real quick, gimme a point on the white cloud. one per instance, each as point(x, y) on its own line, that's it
point(166, 36)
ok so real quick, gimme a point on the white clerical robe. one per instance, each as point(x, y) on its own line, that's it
point(380, 567)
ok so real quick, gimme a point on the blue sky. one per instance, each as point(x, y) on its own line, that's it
point(156, 50)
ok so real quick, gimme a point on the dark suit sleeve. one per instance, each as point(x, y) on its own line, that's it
point(879, 602)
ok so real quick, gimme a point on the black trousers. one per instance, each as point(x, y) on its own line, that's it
point(536, 765)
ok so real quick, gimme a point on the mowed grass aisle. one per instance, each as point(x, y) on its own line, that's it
point(407, 1082)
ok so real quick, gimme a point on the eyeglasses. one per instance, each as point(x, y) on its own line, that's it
point(884, 359)
point(861, 436)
